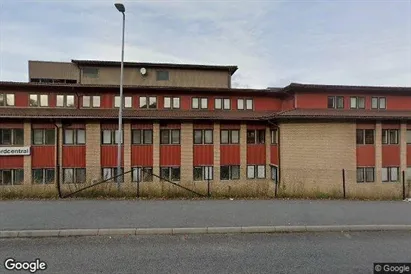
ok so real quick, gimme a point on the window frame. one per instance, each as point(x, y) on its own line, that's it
point(363, 133)
point(13, 176)
point(125, 105)
point(44, 172)
point(255, 172)
point(170, 170)
point(230, 136)
point(13, 136)
point(75, 175)
point(136, 173)
point(65, 101)
point(238, 103)
point(230, 172)
point(377, 101)
point(75, 136)
point(113, 174)
point(172, 104)
point(170, 132)
point(386, 136)
point(4, 102)
point(113, 136)
point(39, 97)
point(44, 136)
point(389, 170)
point(365, 177)
point(163, 73)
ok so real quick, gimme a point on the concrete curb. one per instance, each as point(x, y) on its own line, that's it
point(197, 230)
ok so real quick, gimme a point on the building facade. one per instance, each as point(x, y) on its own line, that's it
point(187, 125)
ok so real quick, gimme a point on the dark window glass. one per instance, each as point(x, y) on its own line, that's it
point(250, 136)
point(136, 136)
point(175, 174)
point(7, 178)
point(165, 173)
point(369, 174)
point(162, 75)
point(331, 102)
point(261, 136)
point(165, 136)
point(37, 176)
point(18, 176)
point(360, 136)
point(393, 136)
point(360, 175)
point(49, 137)
point(340, 102)
point(49, 177)
point(197, 174)
point(18, 136)
point(147, 174)
point(198, 136)
point(5, 138)
point(225, 173)
point(235, 172)
point(369, 136)
point(80, 175)
point(148, 136)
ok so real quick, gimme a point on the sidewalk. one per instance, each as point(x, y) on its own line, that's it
point(91, 214)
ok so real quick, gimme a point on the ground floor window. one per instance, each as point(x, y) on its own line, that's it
point(408, 174)
point(142, 174)
point(74, 175)
point(365, 174)
point(170, 173)
point(274, 174)
point(256, 172)
point(109, 172)
point(230, 173)
point(390, 174)
point(11, 176)
point(43, 175)
point(203, 173)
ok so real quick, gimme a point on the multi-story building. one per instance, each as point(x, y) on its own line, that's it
point(186, 124)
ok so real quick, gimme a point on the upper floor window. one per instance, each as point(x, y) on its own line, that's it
point(148, 102)
point(365, 136)
point(357, 102)
point(203, 136)
point(39, 100)
point(127, 101)
point(7, 100)
point(336, 102)
point(111, 136)
point(74, 136)
point(65, 101)
point(10, 136)
point(274, 137)
point(169, 136)
point(197, 103)
point(90, 72)
point(44, 137)
point(172, 102)
point(390, 136)
point(378, 102)
point(225, 103)
point(230, 136)
point(248, 104)
point(408, 136)
point(163, 75)
point(91, 101)
point(142, 136)
point(256, 136)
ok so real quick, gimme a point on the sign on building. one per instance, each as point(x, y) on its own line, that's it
point(13, 151)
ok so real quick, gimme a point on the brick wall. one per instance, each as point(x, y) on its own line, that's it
point(186, 153)
point(27, 159)
point(93, 148)
point(127, 151)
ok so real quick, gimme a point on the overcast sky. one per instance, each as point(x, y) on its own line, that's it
point(272, 42)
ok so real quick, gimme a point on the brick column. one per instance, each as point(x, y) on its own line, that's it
point(403, 148)
point(27, 159)
point(93, 151)
point(268, 152)
point(243, 152)
point(186, 153)
point(60, 150)
point(156, 150)
point(378, 153)
point(127, 151)
point(216, 139)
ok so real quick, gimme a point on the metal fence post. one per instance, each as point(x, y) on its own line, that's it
point(343, 179)
point(403, 185)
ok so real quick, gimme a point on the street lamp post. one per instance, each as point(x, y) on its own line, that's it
point(120, 7)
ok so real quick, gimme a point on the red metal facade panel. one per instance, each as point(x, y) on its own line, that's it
point(107, 100)
point(11, 125)
point(256, 154)
point(398, 102)
point(229, 155)
point(203, 126)
point(109, 156)
point(408, 155)
point(274, 154)
point(366, 155)
point(142, 155)
point(229, 126)
point(185, 102)
point(142, 126)
point(307, 100)
point(203, 155)
point(43, 126)
point(160, 101)
point(390, 155)
point(12, 162)
point(74, 156)
point(266, 103)
point(391, 126)
point(170, 126)
point(43, 156)
point(22, 99)
point(365, 126)
point(256, 126)
point(287, 104)
point(52, 100)
point(170, 155)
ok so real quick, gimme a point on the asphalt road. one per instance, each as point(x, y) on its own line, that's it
point(177, 213)
point(251, 253)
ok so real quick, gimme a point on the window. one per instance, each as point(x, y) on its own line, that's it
point(256, 136)
point(274, 174)
point(390, 136)
point(203, 136)
point(142, 136)
point(91, 101)
point(390, 174)
point(170, 173)
point(111, 136)
point(11, 136)
point(162, 75)
point(148, 102)
point(74, 175)
point(365, 174)
point(230, 172)
point(335, 102)
point(127, 101)
point(65, 101)
point(249, 104)
point(44, 137)
point(230, 136)
point(274, 137)
point(108, 173)
point(240, 103)
point(408, 174)
point(43, 176)
point(378, 102)
point(7, 100)
point(357, 102)
point(226, 104)
point(170, 136)
point(197, 103)
point(39, 100)
point(203, 173)
point(172, 102)
point(365, 136)
point(255, 171)
point(90, 72)
point(218, 103)
point(11, 176)
point(74, 136)
point(408, 136)
point(142, 174)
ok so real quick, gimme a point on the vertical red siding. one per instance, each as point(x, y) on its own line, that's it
point(42, 126)
point(43, 156)
point(274, 154)
point(256, 126)
point(365, 126)
point(22, 99)
point(170, 155)
point(229, 155)
point(142, 155)
point(391, 155)
point(52, 100)
point(107, 100)
point(203, 155)
point(391, 126)
point(288, 104)
point(74, 156)
point(203, 126)
point(12, 162)
point(185, 102)
point(11, 125)
point(109, 156)
point(265, 103)
point(366, 155)
point(256, 154)
point(229, 126)
point(170, 126)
